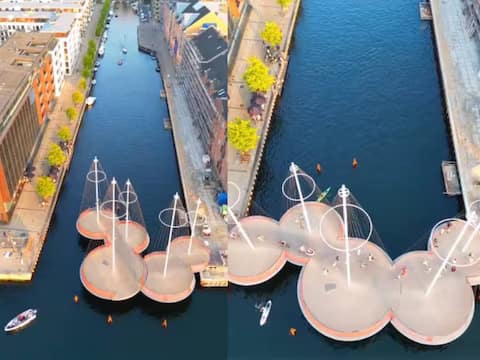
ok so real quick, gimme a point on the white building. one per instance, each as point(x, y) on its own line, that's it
point(82, 9)
point(66, 29)
point(64, 26)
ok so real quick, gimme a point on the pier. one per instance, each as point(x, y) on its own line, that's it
point(459, 65)
point(450, 177)
point(425, 10)
point(349, 288)
point(22, 239)
point(242, 175)
point(187, 147)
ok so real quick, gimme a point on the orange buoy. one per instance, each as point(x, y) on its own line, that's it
point(319, 168)
point(164, 323)
point(109, 319)
point(354, 163)
point(75, 299)
point(293, 331)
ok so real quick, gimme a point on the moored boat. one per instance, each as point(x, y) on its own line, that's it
point(124, 50)
point(101, 51)
point(90, 100)
point(21, 320)
point(265, 312)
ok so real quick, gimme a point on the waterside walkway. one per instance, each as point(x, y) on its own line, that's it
point(242, 175)
point(189, 152)
point(29, 225)
point(459, 62)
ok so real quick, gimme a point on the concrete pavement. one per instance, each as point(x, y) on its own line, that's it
point(242, 175)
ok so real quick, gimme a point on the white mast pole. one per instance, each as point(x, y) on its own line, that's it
point(97, 204)
point(447, 259)
point(114, 182)
point(127, 210)
point(240, 228)
point(344, 193)
point(175, 197)
point(294, 169)
point(193, 227)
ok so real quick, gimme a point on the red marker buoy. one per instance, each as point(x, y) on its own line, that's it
point(354, 163)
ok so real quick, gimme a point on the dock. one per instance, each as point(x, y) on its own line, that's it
point(450, 177)
point(425, 10)
point(188, 150)
point(459, 65)
point(214, 276)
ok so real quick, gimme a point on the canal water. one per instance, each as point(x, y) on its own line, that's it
point(362, 82)
point(125, 130)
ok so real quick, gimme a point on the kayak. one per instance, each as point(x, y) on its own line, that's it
point(323, 194)
point(265, 312)
point(21, 320)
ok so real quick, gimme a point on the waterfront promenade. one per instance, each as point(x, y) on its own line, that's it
point(242, 175)
point(460, 66)
point(188, 149)
point(30, 221)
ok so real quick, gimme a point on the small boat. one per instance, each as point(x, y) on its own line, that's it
point(90, 100)
point(157, 69)
point(95, 69)
point(120, 62)
point(111, 13)
point(101, 51)
point(21, 320)
point(97, 64)
point(323, 194)
point(94, 82)
point(265, 312)
point(124, 50)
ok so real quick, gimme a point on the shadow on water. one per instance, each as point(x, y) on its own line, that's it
point(145, 305)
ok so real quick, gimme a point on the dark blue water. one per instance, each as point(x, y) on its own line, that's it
point(362, 82)
point(125, 130)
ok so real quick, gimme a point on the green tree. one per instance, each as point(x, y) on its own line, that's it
point(242, 135)
point(284, 3)
point(56, 156)
point(272, 34)
point(92, 44)
point(64, 134)
point(257, 75)
point(71, 113)
point(86, 73)
point(77, 97)
point(45, 187)
point(88, 61)
point(82, 84)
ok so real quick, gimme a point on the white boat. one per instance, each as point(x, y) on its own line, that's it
point(21, 320)
point(111, 13)
point(90, 100)
point(265, 312)
point(124, 50)
point(101, 51)
point(94, 82)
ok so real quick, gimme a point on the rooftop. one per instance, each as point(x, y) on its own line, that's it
point(44, 4)
point(212, 52)
point(19, 56)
